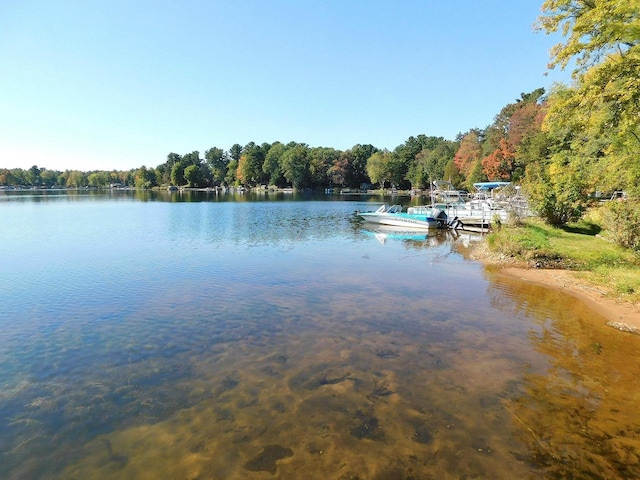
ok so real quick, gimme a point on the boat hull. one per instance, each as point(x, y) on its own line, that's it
point(404, 220)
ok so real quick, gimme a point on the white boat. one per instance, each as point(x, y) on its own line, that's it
point(453, 209)
point(477, 211)
point(414, 217)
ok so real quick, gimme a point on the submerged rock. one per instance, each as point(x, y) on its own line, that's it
point(423, 434)
point(368, 428)
point(266, 460)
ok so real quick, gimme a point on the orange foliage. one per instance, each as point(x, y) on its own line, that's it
point(525, 120)
point(498, 164)
point(469, 152)
point(242, 165)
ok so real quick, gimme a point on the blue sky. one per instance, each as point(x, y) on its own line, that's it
point(117, 84)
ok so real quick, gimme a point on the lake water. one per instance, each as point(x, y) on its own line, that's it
point(195, 336)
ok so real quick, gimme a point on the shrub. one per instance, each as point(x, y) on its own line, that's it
point(621, 219)
point(557, 199)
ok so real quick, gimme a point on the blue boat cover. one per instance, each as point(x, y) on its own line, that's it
point(489, 185)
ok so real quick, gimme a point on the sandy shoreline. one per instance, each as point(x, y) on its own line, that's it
point(623, 316)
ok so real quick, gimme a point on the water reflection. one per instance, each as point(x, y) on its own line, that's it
point(178, 196)
point(204, 195)
point(580, 417)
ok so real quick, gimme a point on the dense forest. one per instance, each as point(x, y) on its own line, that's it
point(492, 153)
point(562, 146)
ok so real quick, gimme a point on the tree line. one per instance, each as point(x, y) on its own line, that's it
point(474, 156)
point(562, 146)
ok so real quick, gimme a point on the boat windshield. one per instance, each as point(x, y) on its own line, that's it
point(421, 210)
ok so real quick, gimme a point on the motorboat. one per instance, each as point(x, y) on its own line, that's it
point(477, 214)
point(414, 217)
point(454, 209)
point(475, 211)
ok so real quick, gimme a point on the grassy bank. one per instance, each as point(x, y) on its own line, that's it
point(582, 247)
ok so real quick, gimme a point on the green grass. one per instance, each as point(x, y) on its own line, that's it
point(578, 246)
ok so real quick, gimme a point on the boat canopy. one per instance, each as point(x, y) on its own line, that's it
point(443, 185)
point(490, 185)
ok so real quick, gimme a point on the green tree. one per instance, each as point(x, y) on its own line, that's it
point(475, 175)
point(398, 169)
point(62, 178)
point(429, 164)
point(218, 162)
point(76, 179)
point(33, 176)
point(406, 155)
point(180, 163)
point(20, 176)
point(49, 178)
point(418, 172)
point(193, 175)
point(358, 157)
point(172, 159)
point(145, 177)
point(205, 175)
point(98, 179)
point(380, 167)
point(164, 170)
point(230, 177)
point(177, 173)
point(272, 162)
point(321, 160)
point(555, 190)
point(129, 178)
point(235, 151)
point(251, 162)
point(452, 174)
point(598, 118)
point(192, 158)
point(163, 174)
point(7, 177)
point(594, 29)
point(295, 164)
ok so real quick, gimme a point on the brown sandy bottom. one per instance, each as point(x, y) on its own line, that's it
point(437, 398)
point(362, 405)
point(621, 315)
point(618, 314)
point(581, 418)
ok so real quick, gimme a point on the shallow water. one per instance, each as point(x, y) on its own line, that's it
point(152, 337)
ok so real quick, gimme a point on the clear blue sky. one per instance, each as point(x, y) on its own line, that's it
point(117, 84)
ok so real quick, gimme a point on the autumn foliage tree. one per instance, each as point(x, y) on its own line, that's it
point(499, 164)
point(515, 124)
point(469, 152)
